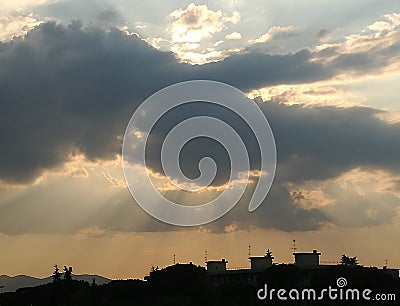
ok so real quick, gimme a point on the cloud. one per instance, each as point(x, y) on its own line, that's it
point(140, 25)
point(114, 181)
point(324, 93)
point(69, 91)
point(390, 23)
point(63, 205)
point(324, 34)
point(233, 36)
point(85, 82)
point(197, 22)
point(15, 25)
point(95, 232)
point(80, 173)
point(254, 70)
point(109, 18)
point(22, 5)
point(191, 26)
point(363, 198)
point(62, 71)
point(277, 212)
point(356, 198)
point(322, 142)
point(375, 47)
point(273, 33)
point(314, 198)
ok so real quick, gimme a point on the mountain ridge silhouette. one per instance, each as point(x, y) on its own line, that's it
point(12, 283)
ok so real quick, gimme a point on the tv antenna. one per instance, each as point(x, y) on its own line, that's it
point(205, 256)
point(174, 259)
point(294, 248)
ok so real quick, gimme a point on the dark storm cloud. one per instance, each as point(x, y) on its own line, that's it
point(323, 142)
point(312, 143)
point(254, 70)
point(66, 90)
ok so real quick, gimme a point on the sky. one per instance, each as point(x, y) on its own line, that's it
point(324, 73)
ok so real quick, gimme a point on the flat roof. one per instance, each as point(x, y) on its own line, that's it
point(309, 253)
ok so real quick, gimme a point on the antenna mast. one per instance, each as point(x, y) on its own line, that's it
point(294, 246)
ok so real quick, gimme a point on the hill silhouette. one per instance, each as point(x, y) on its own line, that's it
point(12, 283)
point(187, 284)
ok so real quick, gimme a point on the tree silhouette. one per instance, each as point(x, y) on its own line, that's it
point(56, 274)
point(353, 261)
point(67, 273)
point(344, 261)
point(349, 261)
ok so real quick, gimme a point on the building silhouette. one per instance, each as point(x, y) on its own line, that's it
point(219, 274)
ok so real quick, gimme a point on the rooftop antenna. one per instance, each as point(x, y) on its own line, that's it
point(205, 256)
point(249, 251)
point(174, 259)
point(294, 246)
point(386, 262)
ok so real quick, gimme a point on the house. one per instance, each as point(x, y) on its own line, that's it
point(216, 267)
point(218, 273)
point(260, 263)
point(307, 260)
